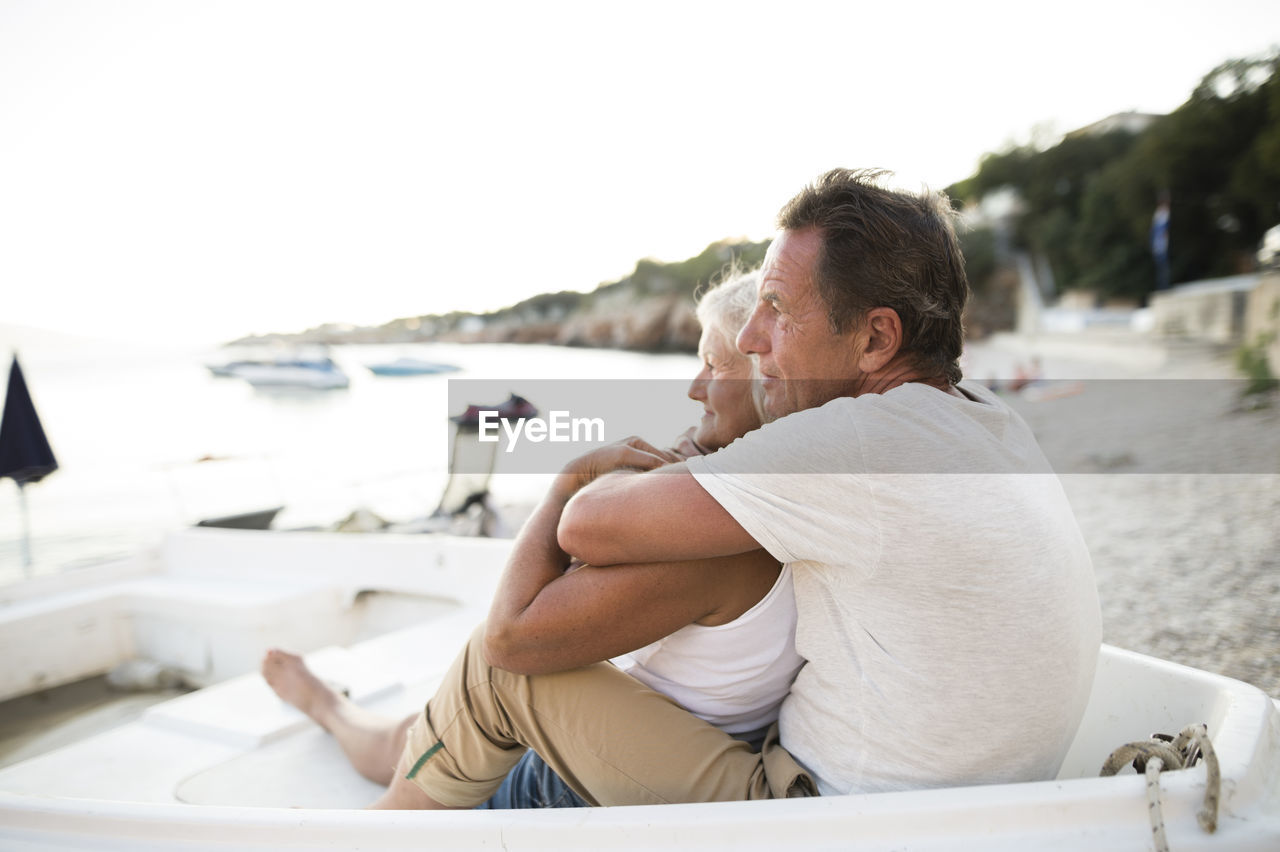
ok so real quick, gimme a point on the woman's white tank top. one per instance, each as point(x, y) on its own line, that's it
point(733, 675)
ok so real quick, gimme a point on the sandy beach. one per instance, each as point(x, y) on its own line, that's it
point(1177, 490)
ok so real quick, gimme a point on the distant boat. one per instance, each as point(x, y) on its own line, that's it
point(256, 355)
point(318, 373)
point(229, 369)
point(410, 367)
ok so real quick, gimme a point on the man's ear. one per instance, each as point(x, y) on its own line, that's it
point(882, 328)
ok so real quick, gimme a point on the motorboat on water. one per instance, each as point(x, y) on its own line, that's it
point(318, 373)
point(228, 369)
point(301, 366)
point(407, 366)
point(259, 355)
point(229, 765)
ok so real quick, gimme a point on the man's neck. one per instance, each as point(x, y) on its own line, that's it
point(899, 373)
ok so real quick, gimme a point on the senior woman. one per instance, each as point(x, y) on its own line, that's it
point(721, 643)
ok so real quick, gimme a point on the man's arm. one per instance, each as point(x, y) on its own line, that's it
point(545, 619)
point(663, 516)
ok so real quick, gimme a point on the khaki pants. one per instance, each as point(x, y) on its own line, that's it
point(612, 739)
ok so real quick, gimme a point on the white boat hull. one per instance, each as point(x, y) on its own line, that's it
point(276, 375)
point(230, 766)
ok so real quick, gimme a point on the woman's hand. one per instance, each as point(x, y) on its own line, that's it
point(685, 446)
point(629, 454)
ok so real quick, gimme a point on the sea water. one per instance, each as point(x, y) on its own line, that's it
point(149, 440)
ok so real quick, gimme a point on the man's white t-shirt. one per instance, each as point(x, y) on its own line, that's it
point(946, 601)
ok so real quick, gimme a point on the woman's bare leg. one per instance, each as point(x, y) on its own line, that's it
point(403, 795)
point(372, 742)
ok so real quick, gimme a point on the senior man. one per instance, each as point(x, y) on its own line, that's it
point(947, 609)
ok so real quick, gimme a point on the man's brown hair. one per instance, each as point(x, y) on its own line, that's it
point(887, 248)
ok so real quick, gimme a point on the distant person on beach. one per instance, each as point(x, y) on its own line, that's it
point(1160, 241)
point(1023, 376)
point(720, 642)
point(948, 614)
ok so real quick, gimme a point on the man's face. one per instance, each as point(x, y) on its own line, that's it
point(804, 363)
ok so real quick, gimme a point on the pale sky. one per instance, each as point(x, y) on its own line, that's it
point(200, 171)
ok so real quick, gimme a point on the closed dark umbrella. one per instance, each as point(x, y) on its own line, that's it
point(25, 455)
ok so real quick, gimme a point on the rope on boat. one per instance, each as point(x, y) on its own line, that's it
point(1162, 753)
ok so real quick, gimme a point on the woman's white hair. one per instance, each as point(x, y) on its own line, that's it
point(724, 309)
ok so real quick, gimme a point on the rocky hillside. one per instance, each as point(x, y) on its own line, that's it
point(650, 310)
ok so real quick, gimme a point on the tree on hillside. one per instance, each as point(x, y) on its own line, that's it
point(685, 277)
point(1088, 201)
point(1052, 185)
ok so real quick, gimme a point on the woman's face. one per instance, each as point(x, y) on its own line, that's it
point(723, 386)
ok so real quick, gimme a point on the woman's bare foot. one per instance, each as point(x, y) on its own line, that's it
point(371, 741)
point(288, 676)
